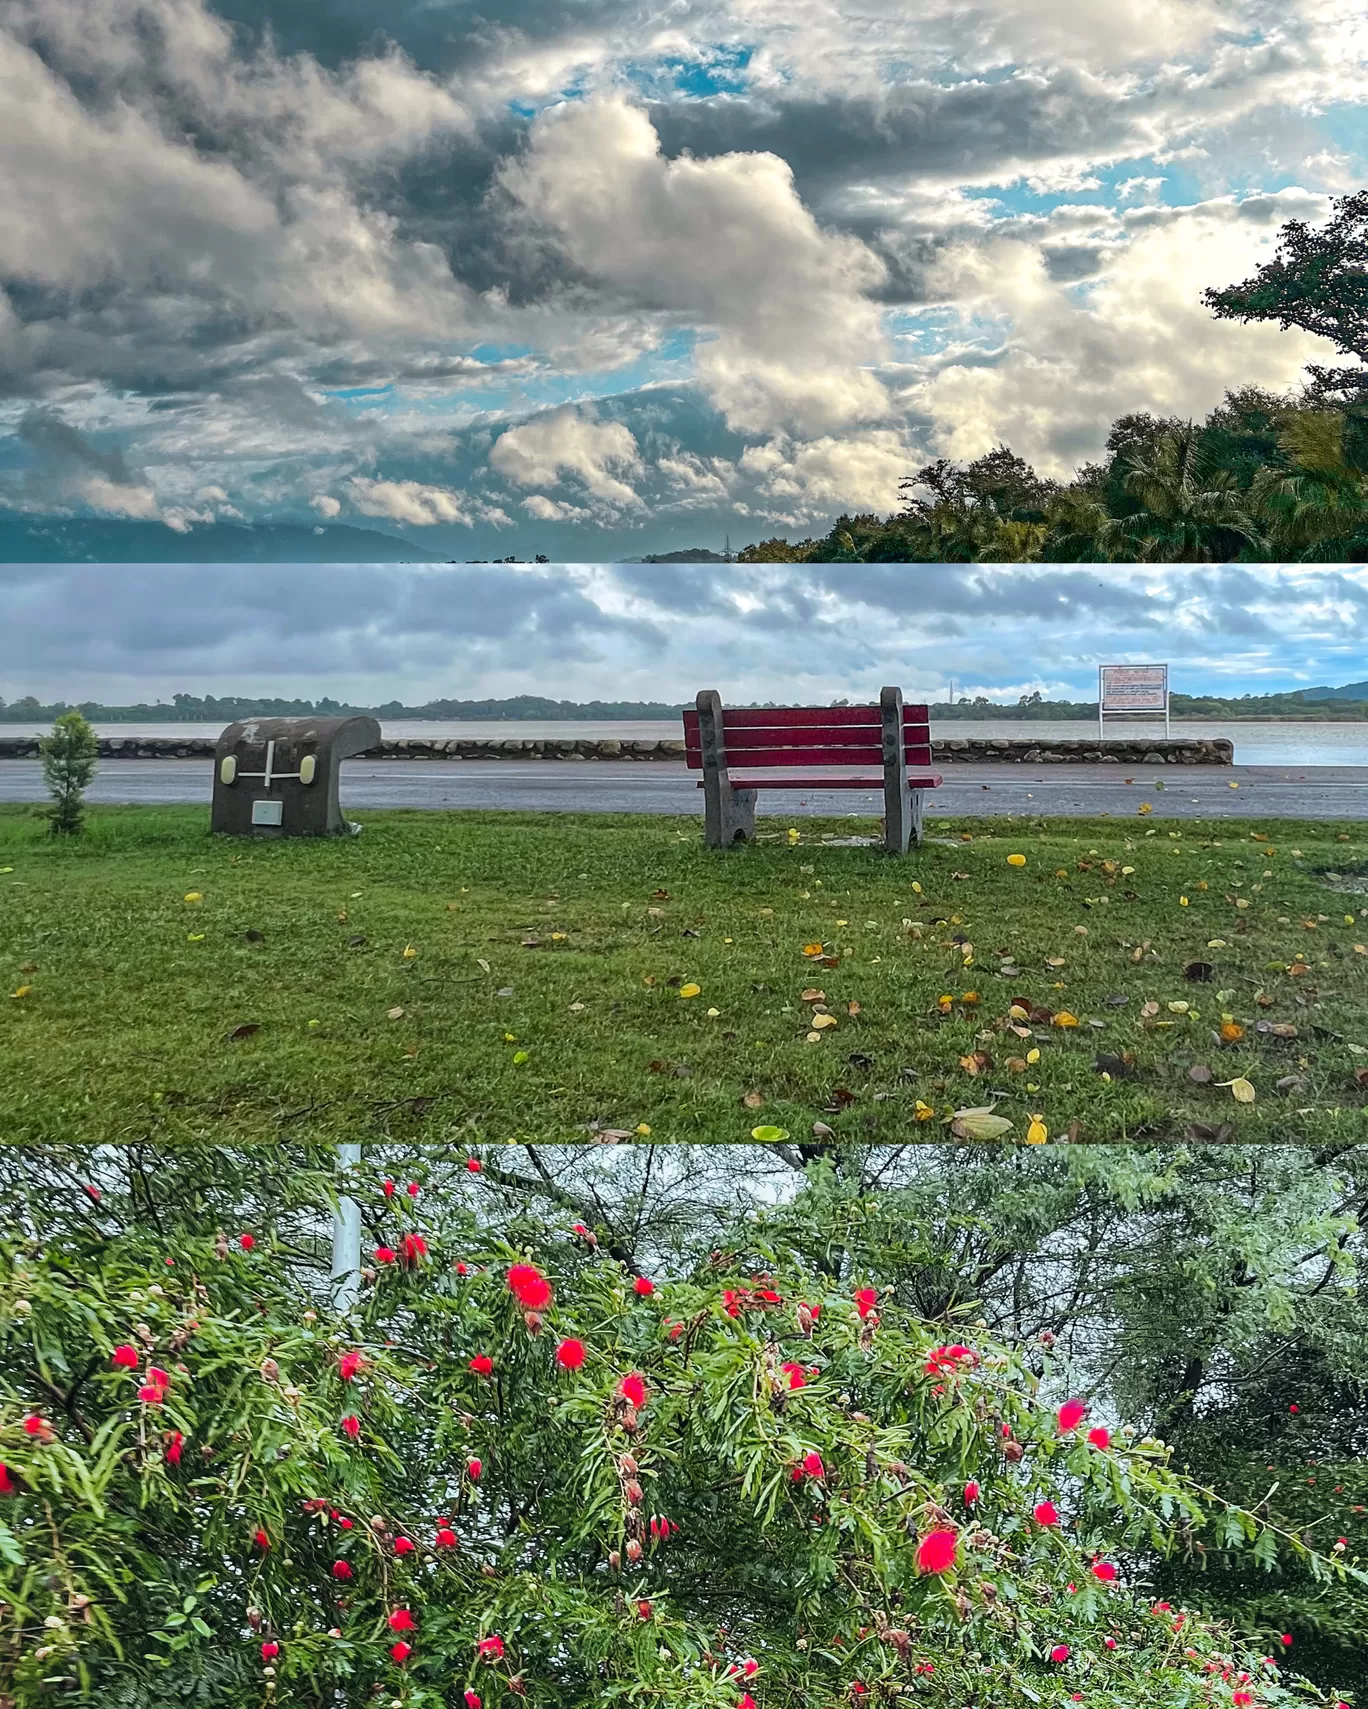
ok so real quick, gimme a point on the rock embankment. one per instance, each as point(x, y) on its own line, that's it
point(955, 750)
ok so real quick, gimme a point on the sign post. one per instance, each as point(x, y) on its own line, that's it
point(346, 1241)
point(1132, 691)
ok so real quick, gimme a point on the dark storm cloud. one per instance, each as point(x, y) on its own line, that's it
point(910, 129)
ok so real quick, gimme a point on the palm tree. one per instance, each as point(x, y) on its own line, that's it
point(1190, 508)
point(1014, 543)
point(1320, 500)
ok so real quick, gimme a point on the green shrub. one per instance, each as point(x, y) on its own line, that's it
point(68, 766)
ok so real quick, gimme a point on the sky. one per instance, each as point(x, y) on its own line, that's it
point(370, 633)
point(602, 277)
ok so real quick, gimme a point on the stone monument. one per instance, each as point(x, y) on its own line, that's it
point(277, 777)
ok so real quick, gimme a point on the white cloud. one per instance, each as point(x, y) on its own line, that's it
point(116, 498)
point(724, 244)
point(1141, 337)
point(857, 472)
point(567, 442)
point(270, 220)
point(553, 510)
point(325, 504)
point(407, 501)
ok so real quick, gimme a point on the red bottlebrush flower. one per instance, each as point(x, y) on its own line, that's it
point(747, 1702)
point(529, 1287)
point(389, 1189)
point(7, 1486)
point(491, 1648)
point(349, 1364)
point(269, 1651)
point(950, 1358)
point(402, 1546)
point(472, 1700)
point(796, 1379)
point(341, 1569)
point(385, 1255)
point(351, 1426)
point(93, 1193)
point(481, 1364)
point(474, 1468)
point(35, 1426)
point(1286, 1640)
point(412, 1189)
point(126, 1357)
point(1105, 1571)
point(473, 1165)
point(402, 1621)
point(1110, 1643)
point(246, 1241)
point(812, 1465)
point(1060, 1653)
point(750, 1666)
point(644, 1610)
point(865, 1300)
point(400, 1652)
point(644, 1287)
point(1072, 1414)
point(731, 1302)
point(150, 1395)
point(1045, 1513)
point(261, 1540)
point(414, 1248)
point(174, 1448)
point(1242, 1699)
point(156, 1375)
point(632, 1388)
point(971, 1493)
point(674, 1330)
point(1100, 1437)
point(570, 1354)
point(936, 1552)
point(344, 1523)
point(446, 1537)
point(1294, 1407)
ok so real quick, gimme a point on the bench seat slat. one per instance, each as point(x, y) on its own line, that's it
point(805, 717)
point(916, 756)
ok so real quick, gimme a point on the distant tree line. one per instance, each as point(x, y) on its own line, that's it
point(1309, 705)
point(1266, 478)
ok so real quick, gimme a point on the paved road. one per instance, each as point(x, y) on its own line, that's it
point(1189, 792)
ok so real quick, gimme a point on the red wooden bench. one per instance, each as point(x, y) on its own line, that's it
point(891, 736)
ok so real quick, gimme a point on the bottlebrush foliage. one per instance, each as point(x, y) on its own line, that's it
point(514, 1475)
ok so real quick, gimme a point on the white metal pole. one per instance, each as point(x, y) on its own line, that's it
point(346, 1251)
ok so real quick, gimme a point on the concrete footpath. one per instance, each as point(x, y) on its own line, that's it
point(603, 786)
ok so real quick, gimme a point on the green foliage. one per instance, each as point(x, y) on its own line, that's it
point(162, 1528)
point(68, 766)
point(1317, 281)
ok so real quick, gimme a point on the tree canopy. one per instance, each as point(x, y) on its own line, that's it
point(799, 1427)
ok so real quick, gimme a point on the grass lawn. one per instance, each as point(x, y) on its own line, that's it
point(515, 976)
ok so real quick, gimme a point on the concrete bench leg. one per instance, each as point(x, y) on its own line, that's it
point(728, 815)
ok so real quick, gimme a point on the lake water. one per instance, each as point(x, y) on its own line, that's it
point(1255, 743)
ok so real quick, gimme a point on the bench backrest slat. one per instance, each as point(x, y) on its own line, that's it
point(809, 736)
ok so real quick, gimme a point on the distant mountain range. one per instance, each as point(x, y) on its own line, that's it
point(1350, 691)
point(48, 540)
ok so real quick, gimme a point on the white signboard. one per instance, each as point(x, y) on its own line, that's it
point(1134, 688)
point(1129, 691)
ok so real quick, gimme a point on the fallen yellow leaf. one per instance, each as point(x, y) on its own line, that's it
point(193, 896)
point(1037, 1133)
point(1064, 1019)
point(1016, 860)
point(812, 949)
point(689, 990)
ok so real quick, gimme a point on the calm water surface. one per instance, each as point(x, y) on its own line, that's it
point(1255, 744)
